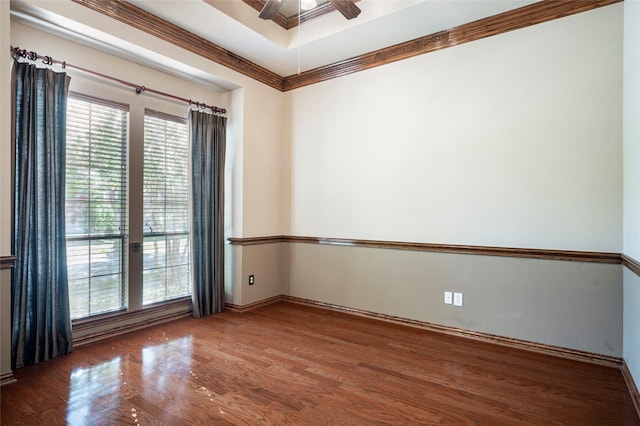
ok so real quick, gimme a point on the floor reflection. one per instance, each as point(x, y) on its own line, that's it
point(89, 386)
point(159, 362)
point(120, 388)
point(166, 370)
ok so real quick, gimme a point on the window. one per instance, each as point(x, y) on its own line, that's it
point(166, 247)
point(96, 205)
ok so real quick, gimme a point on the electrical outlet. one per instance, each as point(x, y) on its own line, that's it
point(252, 280)
point(457, 299)
point(448, 297)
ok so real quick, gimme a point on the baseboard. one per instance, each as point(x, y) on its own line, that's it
point(541, 348)
point(631, 385)
point(557, 351)
point(255, 305)
point(7, 378)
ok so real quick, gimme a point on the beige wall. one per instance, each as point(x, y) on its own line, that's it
point(512, 140)
point(5, 189)
point(5, 131)
point(631, 245)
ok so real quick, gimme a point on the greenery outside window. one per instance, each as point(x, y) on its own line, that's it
point(96, 205)
point(167, 226)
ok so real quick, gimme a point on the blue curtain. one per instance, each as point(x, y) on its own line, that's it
point(208, 140)
point(41, 327)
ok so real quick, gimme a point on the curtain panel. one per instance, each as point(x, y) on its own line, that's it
point(208, 139)
point(41, 327)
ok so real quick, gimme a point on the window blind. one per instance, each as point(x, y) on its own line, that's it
point(166, 245)
point(96, 204)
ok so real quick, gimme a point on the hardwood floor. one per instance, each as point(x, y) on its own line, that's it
point(291, 364)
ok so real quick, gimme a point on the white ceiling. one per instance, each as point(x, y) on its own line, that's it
point(235, 26)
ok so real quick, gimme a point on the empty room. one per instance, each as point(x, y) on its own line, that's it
point(320, 212)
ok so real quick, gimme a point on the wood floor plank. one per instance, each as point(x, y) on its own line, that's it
point(293, 364)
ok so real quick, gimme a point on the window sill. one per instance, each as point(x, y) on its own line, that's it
point(111, 324)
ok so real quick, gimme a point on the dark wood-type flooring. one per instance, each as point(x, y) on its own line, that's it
point(290, 364)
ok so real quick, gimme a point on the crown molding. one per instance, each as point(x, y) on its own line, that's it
point(377, 58)
point(533, 14)
point(140, 19)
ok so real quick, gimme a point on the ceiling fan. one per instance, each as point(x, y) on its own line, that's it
point(346, 7)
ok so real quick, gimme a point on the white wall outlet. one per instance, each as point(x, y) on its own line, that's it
point(448, 297)
point(457, 299)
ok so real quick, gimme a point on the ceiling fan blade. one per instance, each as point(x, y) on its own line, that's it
point(348, 9)
point(270, 9)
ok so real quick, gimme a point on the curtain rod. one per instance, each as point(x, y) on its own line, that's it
point(48, 60)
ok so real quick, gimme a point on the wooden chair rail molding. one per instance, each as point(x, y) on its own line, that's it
point(631, 263)
point(7, 262)
point(533, 14)
point(578, 256)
